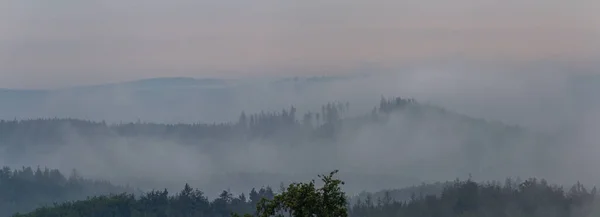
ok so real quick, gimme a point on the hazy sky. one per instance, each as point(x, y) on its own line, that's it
point(68, 42)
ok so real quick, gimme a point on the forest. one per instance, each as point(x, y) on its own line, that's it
point(265, 124)
point(531, 198)
point(401, 126)
point(334, 108)
point(27, 188)
point(402, 130)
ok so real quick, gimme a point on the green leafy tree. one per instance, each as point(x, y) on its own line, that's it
point(304, 200)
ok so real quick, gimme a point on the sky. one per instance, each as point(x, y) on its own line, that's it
point(59, 43)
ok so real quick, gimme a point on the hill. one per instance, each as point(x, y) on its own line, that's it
point(23, 190)
point(164, 100)
point(535, 198)
point(412, 142)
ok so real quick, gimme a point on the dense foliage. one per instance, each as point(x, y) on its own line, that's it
point(25, 189)
point(186, 203)
point(303, 199)
point(531, 198)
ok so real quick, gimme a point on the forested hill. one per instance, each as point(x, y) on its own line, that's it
point(426, 143)
point(531, 198)
point(327, 123)
point(23, 190)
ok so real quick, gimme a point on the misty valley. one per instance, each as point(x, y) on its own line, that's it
point(401, 158)
point(330, 108)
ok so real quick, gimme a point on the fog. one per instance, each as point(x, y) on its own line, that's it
point(553, 102)
point(540, 95)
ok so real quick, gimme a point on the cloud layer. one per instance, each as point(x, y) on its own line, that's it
point(71, 42)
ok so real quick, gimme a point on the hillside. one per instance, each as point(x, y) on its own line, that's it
point(549, 104)
point(533, 198)
point(25, 189)
point(413, 143)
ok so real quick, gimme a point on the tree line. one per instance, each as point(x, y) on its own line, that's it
point(530, 198)
point(261, 124)
point(285, 126)
point(25, 189)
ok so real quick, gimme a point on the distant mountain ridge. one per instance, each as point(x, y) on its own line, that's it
point(187, 99)
point(159, 82)
point(163, 99)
